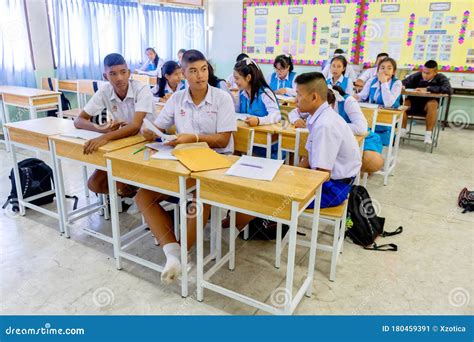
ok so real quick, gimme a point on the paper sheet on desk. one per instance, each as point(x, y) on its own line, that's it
point(164, 151)
point(255, 168)
point(81, 134)
point(159, 133)
point(368, 105)
point(286, 98)
point(241, 116)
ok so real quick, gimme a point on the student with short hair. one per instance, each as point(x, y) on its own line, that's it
point(170, 82)
point(152, 66)
point(201, 113)
point(180, 54)
point(426, 81)
point(282, 80)
point(128, 102)
point(230, 79)
point(338, 68)
point(367, 74)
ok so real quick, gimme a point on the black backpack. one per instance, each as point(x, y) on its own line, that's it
point(366, 225)
point(466, 200)
point(36, 177)
point(65, 103)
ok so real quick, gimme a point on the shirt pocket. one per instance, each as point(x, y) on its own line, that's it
point(207, 121)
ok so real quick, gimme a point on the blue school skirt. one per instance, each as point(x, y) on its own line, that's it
point(262, 151)
point(384, 133)
point(334, 193)
point(373, 142)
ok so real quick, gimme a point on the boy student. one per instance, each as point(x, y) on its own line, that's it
point(367, 74)
point(200, 113)
point(426, 81)
point(331, 144)
point(348, 72)
point(128, 102)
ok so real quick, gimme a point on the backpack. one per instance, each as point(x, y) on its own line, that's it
point(262, 229)
point(367, 226)
point(466, 200)
point(65, 103)
point(36, 177)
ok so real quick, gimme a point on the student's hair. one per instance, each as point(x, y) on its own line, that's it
point(157, 58)
point(314, 81)
point(213, 79)
point(191, 56)
point(181, 50)
point(338, 51)
point(431, 64)
point(343, 61)
point(167, 69)
point(113, 59)
point(382, 54)
point(391, 61)
point(285, 61)
point(331, 97)
point(241, 56)
point(247, 67)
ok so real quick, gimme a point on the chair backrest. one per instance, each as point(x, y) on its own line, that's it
point(49, 83)
point(300, 144)
point(371, 117)
point(243, 140)
point(88, 87)
point(145, 79)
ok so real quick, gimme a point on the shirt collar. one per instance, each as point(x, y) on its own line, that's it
point(129, 93)
point(207, 99)
point(312, 119)
point(340, 79)
point(285, 78)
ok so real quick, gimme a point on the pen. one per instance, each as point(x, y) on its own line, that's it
point(139, 150)
point(250, 165)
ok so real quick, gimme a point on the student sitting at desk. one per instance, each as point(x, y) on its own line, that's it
point(282, 81)
point(128, 102)
point(384, 90)
point(200, 113)
point(367, 74)
point(426, 81)
point(338, 68)
point(230, 79)
point(215, 81)
point(180, 55)
point(331, 144)
point(152, 66)
point(171, 81)
point(349, 72)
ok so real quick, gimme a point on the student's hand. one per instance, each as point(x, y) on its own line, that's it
point(281, 91)
point(182, 139)
point(300, 123)
point(166, 97)
point(149, 135)
point(112, 126)
point(422, 90)
point(357, 97)
point(228, 85)
point(252, 121)
point(93, 145)
point(304, 163)
point(382, 77)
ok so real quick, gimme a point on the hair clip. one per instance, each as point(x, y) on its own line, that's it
point(249, 61)
point(338, 96)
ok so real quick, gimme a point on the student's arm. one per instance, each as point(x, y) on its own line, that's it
point(389, 96)
point(350, 87)
point(292, 91)
point(358, 122)
point(271, 104)
point(351, 73)
point(364, 93)
point(411, 81)
point(364, 76)
point(297, 118)
point(444, 86)
point(164, 121)
point(144, 66)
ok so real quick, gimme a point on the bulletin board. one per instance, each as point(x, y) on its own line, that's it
point(413, 32)
point(309, 30)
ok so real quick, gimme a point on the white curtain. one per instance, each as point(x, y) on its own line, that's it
point(85, 31)
point(16, 66)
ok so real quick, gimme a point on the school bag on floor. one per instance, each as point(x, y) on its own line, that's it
point(466, 200)
point(36, 177)
point(366, 225)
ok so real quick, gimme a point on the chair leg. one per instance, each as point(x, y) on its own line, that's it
point(364, 180)
point(85, 177)
point(335, 251)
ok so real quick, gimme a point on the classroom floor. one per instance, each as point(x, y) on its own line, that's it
point(432, 272)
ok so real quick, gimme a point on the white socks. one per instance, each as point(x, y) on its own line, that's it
point(428, 139)
point(172, 268)
point(403, 132)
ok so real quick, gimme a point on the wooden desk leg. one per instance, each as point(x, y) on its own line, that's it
point(280, 154)
point(33, 112)
point(314, 240)
point(199, 247)
point(114, 215)
point(60, 192)
point(290, 270)
point(269, 146)
point(184, 235)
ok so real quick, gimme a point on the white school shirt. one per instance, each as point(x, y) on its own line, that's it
point(295, 115)
point(350, 87)
point(138, 99)
point(348, 73)
point(215, 114)
point(389, 96)
point(289, 91)
point(271, 104)
point(144, 68)
point(358, 122)
point(367, 74)
point(331, 144)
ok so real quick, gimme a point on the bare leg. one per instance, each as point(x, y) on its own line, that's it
point(371, 161)
point(405, 115)
point(431, 109)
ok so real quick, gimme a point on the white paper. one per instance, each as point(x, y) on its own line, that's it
point(286, 98)
point(164, 151)
point(159, 133)
point(255, 168)
point(81, 134)
point(368, 105)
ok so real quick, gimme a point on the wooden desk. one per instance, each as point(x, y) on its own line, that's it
point(65, 148)
point(33, 135)
point(165, 176)
point(282, 200)
point(31, 98)
point(265, 136)
point(68, 85)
